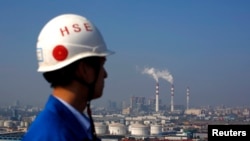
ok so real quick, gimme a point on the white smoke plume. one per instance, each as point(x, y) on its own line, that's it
point(151, 72)
point(156, 74)
point(165, 74)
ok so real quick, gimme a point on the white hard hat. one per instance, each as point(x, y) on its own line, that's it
point(66, 39)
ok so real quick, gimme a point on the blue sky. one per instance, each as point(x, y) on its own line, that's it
point(203, 44)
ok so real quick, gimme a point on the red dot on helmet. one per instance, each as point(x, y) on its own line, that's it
point(60, 53)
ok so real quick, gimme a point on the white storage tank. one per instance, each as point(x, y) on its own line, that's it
point(129, 128)
point(139, 129)
point(8, 123)
point(22, 124)
point(117, 129)
point(155, 129)
point(100, 128)
point(26, 124)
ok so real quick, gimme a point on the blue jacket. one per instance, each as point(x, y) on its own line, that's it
point(57, 123)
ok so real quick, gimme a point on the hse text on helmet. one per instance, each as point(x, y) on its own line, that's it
point(68, 38)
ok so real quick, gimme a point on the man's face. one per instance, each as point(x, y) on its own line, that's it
point(99, 86)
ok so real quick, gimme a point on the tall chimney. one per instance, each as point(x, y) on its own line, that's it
point(188, 97)
point(172, 98)
point(157, 97)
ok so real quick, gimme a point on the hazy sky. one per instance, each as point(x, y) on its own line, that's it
point(203, 44)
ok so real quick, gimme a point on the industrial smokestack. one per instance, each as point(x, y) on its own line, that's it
point(172, 98)
point(156, 74)
point(188, 90)
point(157, 97)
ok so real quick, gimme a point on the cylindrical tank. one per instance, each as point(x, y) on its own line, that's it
point(26, 124)
point(139, 129)
point(22, 123)
point(8, 123)
point(100, 128)
point(117, 129)
point(155, 129)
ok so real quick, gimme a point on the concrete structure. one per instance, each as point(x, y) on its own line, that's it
point(188, 93)
point(157, 97)
point(172, 98)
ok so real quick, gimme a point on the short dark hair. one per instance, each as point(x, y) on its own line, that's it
point(65, 75)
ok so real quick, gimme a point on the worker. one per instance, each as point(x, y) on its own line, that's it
point(71, 54)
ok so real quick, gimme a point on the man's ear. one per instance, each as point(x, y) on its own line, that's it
point(84, 71)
